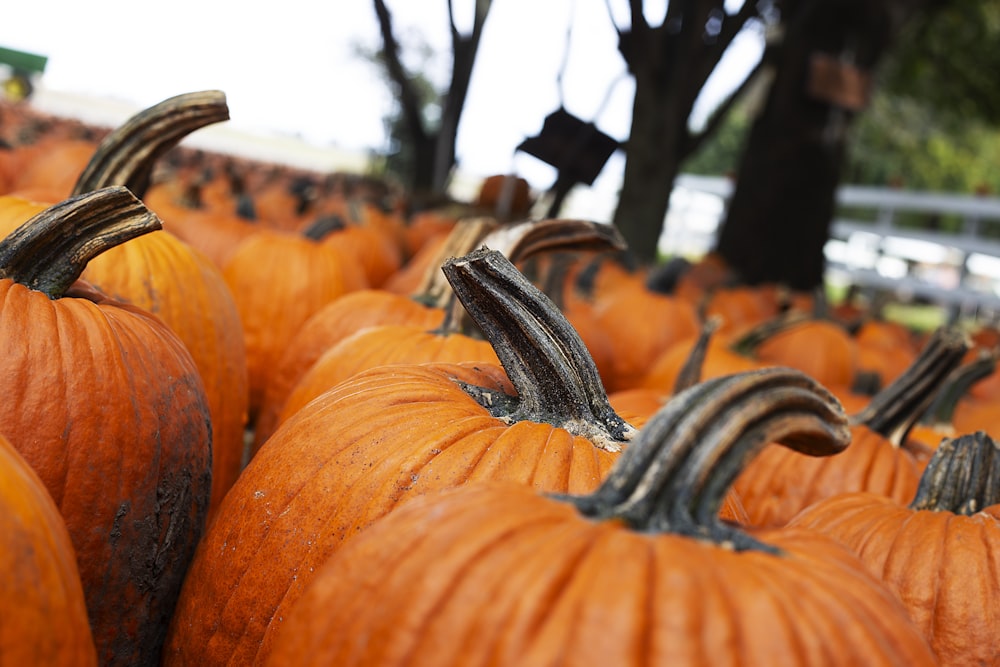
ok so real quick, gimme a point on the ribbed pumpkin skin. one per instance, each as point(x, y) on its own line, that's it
point(278, 281)
point(501, 576)
point(325, 328)
point(161, 274)
point(337, 465)
point(44, 614)
point(642, 326)
point(944, 567)
point(107, 406)
point(822, 349)
point(378, 346)
point(779, 483)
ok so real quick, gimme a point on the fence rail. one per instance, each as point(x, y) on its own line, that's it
point(942, 248)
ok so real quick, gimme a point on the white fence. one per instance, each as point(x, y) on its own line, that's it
point(941, 248)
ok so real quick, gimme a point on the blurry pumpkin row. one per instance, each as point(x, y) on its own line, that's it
point(338, 432)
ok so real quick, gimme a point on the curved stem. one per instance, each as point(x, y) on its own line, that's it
point(127, 155)
point(748, 342)
point(465, 236)
point(894, 410)
point(323, 226)
point(956, 385)
point(962, 477)
point(544, 357)
point(519, 241)
point(49, 252)
point(674, 475)
point(690, 373)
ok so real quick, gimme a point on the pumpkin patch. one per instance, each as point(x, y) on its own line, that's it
point(260, 416)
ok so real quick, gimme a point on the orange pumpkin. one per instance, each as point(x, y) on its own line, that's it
point(390, 433)
point(940, 553)
point(278, 280)
point(45, 616)
point(424, 309)
point(639, 572)
point(163, 275)
point(780, 483)
point(109, 409)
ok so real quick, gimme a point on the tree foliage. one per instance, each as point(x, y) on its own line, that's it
point(905, 142)
point(949, 61)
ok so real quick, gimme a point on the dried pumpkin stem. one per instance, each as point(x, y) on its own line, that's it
point(676, 472)
point(957, 385)
point(323, 226)
point(962, 477)
point(128, 154)
point(547, 362)
point(521, 241)
point(465, 236)
point(894, 410)
point(50, 251)
point(690, 373)
point(748, 342)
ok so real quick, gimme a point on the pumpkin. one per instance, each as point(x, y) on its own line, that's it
point(390, 433)
point(816, 346)
point(641, 324)
point(940, 554)
point(106, 404)
point(638, 572)
point(52, 168)
point(216, 234)
point(382, 345)
point(505, 196)
point(356, 310)
point(163, 275)
point(423, 310)
point(885, 348)
point(362, 229)
point(938, 421)
point(779, 483)
point(45, 616)
point(278, 280)
point(711, 346)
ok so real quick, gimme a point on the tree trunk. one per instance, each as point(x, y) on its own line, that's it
point(671, 63)
point(651, 165)
point(781, 210)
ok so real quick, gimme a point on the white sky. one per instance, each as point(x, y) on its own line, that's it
point(289, 68)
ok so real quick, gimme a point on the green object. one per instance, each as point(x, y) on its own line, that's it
point(22, 61)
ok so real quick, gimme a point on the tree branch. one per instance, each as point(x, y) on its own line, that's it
point(409, 99)
point(695, 140)
point(464, 49)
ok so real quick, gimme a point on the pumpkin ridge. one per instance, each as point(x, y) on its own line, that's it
point(784, 606)
point(525, 629)
point(443, 595)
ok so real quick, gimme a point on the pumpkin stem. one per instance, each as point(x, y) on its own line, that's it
point(962, 477)
point(323, 226)
point(127, 155)
point(747, 343)
point(464, 237)
point(547, 362)
point(521, 241)
point(957, 385)
point(49, 252)
point(690, 373)
point(675, 474)
point(894, 410)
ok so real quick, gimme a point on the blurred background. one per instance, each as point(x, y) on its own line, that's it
point(881, 173)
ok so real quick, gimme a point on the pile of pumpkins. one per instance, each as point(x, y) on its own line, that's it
point(257, 417)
